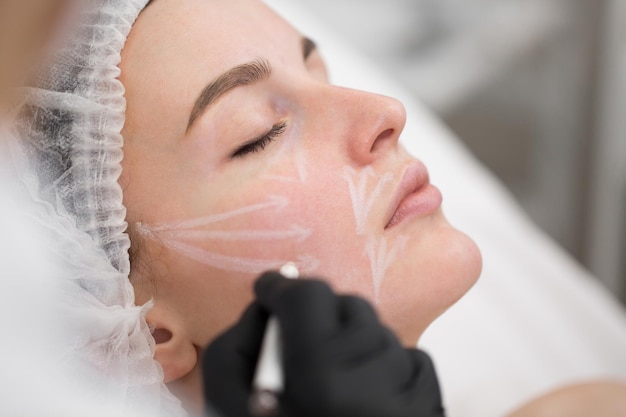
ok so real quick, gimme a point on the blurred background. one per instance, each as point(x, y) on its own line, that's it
point(535, 88)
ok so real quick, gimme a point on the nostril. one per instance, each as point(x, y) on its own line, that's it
point(381, 139)
point(161, 336)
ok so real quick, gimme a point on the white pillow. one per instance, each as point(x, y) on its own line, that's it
point(536, 319)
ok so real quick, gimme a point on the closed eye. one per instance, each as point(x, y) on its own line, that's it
point(259, 144)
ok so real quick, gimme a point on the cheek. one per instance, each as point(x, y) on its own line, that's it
point(323, 205)
point(203, 300)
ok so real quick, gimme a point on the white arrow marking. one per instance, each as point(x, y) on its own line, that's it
point(300, 162)
point(298, 233)
point(362, 204)
point(306, 264)
point(381, 259)
point(281, 178)
point(274, 202)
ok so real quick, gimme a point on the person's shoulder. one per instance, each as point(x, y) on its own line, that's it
point(597, 398)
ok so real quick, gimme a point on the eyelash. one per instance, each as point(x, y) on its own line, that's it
point(257, 145)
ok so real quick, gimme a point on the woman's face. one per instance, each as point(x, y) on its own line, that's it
point(240, 156)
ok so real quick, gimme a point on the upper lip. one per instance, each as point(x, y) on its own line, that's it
point(415, 177)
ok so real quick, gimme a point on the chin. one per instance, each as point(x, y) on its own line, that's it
point(435, 273)
point(465, 263)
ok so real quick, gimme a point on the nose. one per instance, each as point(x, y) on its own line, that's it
point(369, 125)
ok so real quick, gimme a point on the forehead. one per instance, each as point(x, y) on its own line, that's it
point(177, 46)
point(223, 32)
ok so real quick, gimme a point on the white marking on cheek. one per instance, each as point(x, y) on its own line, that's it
point(297, 233)
point(281, 178)
point(183, 237)
point(307, 264)
point(381, 258)
point(300, 160)
point(361, 203)
point(301, 165)
point(293, 151)
point(273, 202)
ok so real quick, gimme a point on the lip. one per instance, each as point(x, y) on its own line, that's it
point(416, 196)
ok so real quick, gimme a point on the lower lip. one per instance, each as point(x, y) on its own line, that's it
point(422, 202)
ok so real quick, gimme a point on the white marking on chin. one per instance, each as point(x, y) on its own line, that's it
point(381, 257)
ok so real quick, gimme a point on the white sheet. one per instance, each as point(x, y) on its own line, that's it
point(536, 319)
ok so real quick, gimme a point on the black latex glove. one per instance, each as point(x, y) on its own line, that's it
point(339, 360)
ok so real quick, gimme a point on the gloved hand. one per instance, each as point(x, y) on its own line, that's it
point(338, 359)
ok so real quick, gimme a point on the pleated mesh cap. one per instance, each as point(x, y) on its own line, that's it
point(69, 129)
point(73, 121)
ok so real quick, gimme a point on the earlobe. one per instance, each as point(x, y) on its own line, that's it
point(174, 350)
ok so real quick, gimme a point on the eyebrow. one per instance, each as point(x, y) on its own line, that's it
point(242, 75)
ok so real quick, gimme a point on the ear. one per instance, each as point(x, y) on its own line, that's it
point(174, 350)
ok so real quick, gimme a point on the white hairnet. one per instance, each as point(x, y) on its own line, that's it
point(69, 127)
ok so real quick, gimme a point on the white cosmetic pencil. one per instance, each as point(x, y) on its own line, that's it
point(268, 379)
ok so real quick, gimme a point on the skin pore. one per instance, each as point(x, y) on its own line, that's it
point(239, 156)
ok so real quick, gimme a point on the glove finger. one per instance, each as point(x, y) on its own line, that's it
point(356, 311)
point(424, 385)
point(424, 373)
point(307, 309)
point(361, 334)
point(245, 336)
point(229, 363)
point(364, 338)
